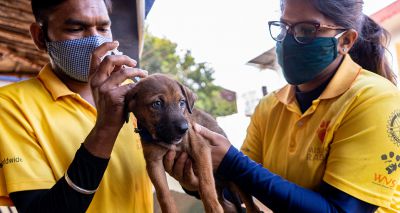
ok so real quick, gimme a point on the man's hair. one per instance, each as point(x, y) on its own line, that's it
point(41, 9)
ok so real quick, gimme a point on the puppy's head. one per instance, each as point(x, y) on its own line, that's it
point(161, 106)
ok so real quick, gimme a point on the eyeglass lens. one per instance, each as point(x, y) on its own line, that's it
point(303, 32)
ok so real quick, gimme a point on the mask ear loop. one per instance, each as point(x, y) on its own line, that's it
point(45, 37)
point(340, 34)
point(344, 49)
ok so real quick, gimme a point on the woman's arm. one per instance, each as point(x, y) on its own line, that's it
point(275, 192)
point(281, 195)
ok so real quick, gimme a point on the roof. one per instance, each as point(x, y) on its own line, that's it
point(266, 60)
point(388, 17)
point(387, 12)
point(17, 50)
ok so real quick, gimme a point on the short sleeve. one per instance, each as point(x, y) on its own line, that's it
point(252, 145)
point(364, 156)
point(23, 163)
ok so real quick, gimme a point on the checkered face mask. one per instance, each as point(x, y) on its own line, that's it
point(73, 56)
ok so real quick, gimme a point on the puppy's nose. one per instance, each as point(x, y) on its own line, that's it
point(182, 127)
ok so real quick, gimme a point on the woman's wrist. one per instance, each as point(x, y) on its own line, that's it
point(226, 159)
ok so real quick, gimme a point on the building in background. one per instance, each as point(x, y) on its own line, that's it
point(265, 62)
point(389, 18)
point(20, 59)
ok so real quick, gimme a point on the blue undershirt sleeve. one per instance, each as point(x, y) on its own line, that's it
point(281, 195)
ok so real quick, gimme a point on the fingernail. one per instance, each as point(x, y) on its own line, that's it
point(184, 154)
point(197, 127)
point(145, 72)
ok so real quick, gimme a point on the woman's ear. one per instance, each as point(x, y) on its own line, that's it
point(346, 41)
point(38, 36)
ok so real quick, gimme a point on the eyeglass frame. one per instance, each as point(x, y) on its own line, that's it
point(318, 27)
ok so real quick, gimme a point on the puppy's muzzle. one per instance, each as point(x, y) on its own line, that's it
point(174, 132)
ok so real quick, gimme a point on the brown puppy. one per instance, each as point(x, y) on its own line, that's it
point(164, 112)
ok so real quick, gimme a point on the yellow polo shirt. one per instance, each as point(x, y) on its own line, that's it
point(42, 125)
point(349, 137)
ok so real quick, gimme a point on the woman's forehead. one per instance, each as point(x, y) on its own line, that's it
point(294, 11)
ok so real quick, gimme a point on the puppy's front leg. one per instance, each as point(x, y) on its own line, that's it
point(201, 154)
point(155, 168)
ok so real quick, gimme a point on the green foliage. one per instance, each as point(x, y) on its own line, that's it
point(160, 56)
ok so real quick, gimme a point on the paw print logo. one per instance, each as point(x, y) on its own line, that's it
point(392, 161)
point(321, 132)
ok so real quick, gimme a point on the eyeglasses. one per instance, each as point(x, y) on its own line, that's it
point(303, 32)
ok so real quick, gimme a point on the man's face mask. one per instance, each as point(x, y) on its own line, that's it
point(301, 63)
point(73, 56)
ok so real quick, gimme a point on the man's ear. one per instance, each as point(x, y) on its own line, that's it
point(38, 36)
point(346, 41)
point(189, 96)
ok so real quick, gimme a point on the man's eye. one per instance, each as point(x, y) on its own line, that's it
point(103, 29)
point(74, 30)
point(157, 104)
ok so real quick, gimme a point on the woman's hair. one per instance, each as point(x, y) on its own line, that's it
point(370, 47)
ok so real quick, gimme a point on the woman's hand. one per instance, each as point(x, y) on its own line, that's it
point(218, 144)
point(181, 168)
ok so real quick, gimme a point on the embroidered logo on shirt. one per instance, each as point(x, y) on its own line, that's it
point(384, 181)
point(321, 131)
point(392, 162)
point(10, 160)
point(316, 153)
point(393, 127)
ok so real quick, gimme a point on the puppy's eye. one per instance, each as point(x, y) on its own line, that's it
point(157, 104)
point(182, 103)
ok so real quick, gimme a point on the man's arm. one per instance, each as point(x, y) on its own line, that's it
point(86, 171)
point(90, 162)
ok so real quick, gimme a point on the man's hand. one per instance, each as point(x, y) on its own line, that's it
point(106, 78)
point(181, 168)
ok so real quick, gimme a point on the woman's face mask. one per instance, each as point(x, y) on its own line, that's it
point(301, 63)
point(73, 56)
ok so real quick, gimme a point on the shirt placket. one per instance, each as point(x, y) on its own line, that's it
point(300, 124)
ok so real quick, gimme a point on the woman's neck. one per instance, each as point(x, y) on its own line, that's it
point(322, 77)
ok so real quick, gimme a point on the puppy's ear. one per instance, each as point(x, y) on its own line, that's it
point(130, 102)
point(189, 96)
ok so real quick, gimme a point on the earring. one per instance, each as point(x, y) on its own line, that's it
point(344, 49)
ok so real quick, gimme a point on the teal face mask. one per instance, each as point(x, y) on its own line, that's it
point(301, 63)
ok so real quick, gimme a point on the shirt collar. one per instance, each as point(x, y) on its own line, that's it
point(52, 83)
point(340, 83)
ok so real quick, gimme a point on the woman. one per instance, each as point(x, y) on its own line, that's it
point(329, 140)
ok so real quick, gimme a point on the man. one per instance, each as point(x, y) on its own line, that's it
point(44, 120)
